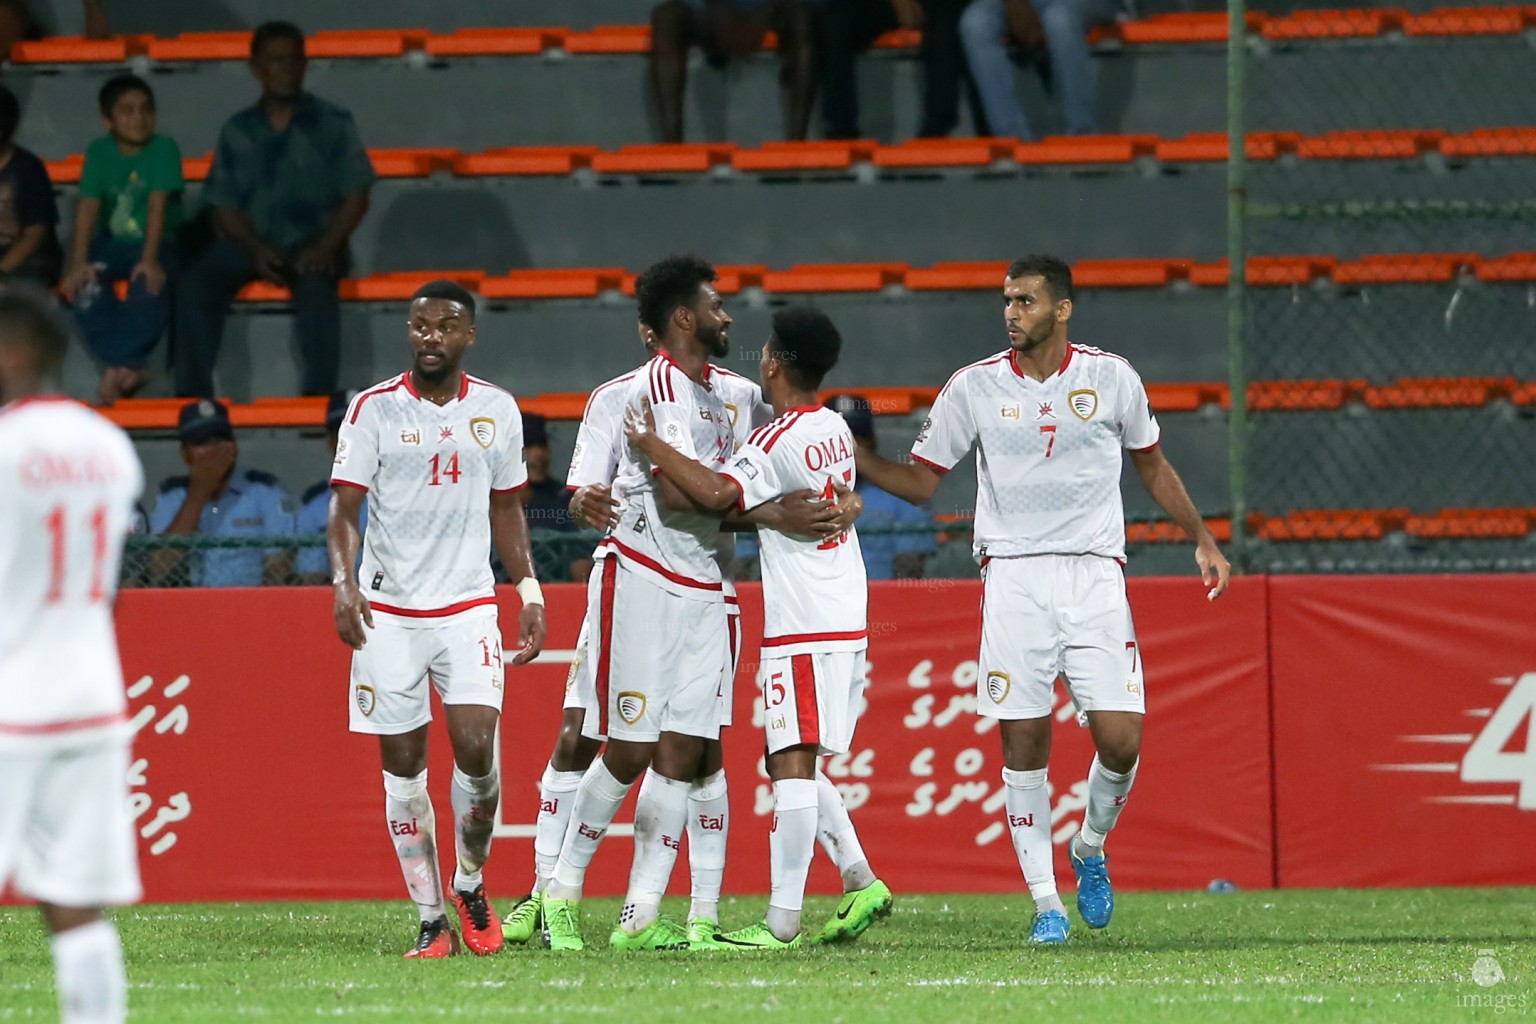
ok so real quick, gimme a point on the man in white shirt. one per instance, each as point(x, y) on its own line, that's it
point(69, 481)
point(439, 456)
point(1050, 419)
point(815, 628)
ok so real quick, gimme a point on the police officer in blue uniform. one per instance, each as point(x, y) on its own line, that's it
point(312, 565)
point(217, 498)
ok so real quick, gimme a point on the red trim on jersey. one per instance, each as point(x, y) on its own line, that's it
point(931, 465)
point(1063, 367)
point(410, 387)
point(464, 385)
point(732, 602)
point(357, 405)
point(802, 672)
point(1149, 447)
point(789, 418)
point(468, 380)
point(806, 638)
point(1089, 350)
point(605, 640)
point(17, 403)
point(804, 408)
point(71, 725)
point(1013, 362)
point(509, 490)
point(349, 483)
point(431, 613)
point(656, 567)
point(741, 492)
point(661, 383)
point(732, 632)
point(974, 366)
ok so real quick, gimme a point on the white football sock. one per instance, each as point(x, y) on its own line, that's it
point(597, 801)
point(1028, 806)
point(413, 829)
point(556, 796)
point(791, 844)
point(661, 818)
point(474, 820)
point(709, 822)
point(88, 968)
point(835, 829)
point(1107, 794)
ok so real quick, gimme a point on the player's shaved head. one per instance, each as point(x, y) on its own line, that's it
point(667, 284)
point(1056, 273)
point(31, 323)
point(806, 344)
point(449, 290)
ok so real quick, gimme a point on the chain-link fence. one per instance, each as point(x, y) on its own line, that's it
point(1389, 322)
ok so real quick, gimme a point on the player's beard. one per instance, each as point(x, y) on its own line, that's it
point(442, 372)
point(716, 343)
point(1029, 341)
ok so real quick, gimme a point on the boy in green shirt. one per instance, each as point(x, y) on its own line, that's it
point(130, 207)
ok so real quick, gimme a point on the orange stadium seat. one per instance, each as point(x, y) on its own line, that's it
point(1334, 24)
point(1301, 395)
point(1369, 145)
point(195, 168)
point(409, 163)
point(76, 50)
point(977, 276)
point(610, 39)
point(1122, 273)
point(1438, 392)
point(681, 158)
point(1524, 394)
point(1325, 524)
point(1404, 268)
point(1180, 27)
point(1292, 270)
point(1471, 523)
point(1168, 532)
point(943, 153)
point(366, 42)
point(1516, 266)
point(1085, 149)
point(820, 155)
point(729, 280)
point(834, 277)
point(400, 285)
point(66, 171)
point(553, 284)
point(556, 405)
point(199, 46)
point(1185, 397)
point(523, 160)
point(899, 39)
point(1491, 142)
point(495, 42)
point(1469, 21)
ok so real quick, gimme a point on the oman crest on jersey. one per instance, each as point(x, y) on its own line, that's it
point(483, 430)
point(1084, 403)
point(631, 706)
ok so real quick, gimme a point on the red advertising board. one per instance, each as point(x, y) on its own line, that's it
point(247, 785)
point(1403, 746)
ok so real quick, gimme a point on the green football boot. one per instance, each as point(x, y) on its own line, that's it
point(522, 921)
point(662, 933)
point(562, 924)
point(754, 937)
point(701, 935)
point(856, 911)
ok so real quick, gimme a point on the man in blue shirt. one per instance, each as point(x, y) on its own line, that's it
point(311, 563)
point(218, 499)
point(886, 555)
point(288, 186)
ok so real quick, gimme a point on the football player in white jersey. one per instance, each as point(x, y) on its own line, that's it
point(1050, 419)
point(594, 464)
point(815, 628)
point(68, 483)
point(438, 454)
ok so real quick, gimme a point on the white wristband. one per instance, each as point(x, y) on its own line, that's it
point(528, 589)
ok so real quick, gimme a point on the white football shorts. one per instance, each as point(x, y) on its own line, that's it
point(393, 675)
point(66, 829)
point(1044, 616)
point(658, 661)
point(813, 699)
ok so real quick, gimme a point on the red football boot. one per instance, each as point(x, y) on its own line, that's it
point(436, 941)
point(482, 928)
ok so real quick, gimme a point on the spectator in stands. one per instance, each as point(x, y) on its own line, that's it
point(852, 25)
point(125, 223)
point(218, 499)
point(29, 246)
point(288, 186)
point(546, 506)
point(727, 30)
point(17, 23)
point(312, 564)
point(886, 555)
point(1061, 26)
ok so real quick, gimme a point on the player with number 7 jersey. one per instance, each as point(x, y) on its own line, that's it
point(815, 607)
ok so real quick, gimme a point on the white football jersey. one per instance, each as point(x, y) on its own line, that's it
point(1048, 452)
point(815, 596)
point(745, 408)
point(600, 439)
point(69, 480)
point(675, 548)
point(429, 471)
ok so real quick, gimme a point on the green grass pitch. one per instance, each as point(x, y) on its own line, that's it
point(1387, 955)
